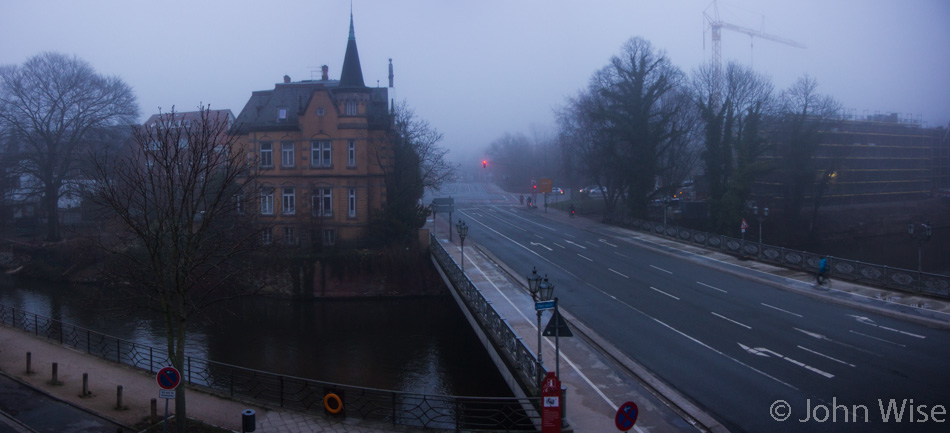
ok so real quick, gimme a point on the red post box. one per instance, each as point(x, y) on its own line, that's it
point(551, 404)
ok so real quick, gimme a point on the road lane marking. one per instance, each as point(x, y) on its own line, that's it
point(591, 243)
point(761, 351)
point(711, 287)
point(538, 236)
point(542, 245)
point(869, 321)
point(667, 294)
point(608, 243)
point(784, 311)
point(826, 356)
point(585, 258)
point(618, 273)
point(621, 255)
point(733, 321)
point(879, 339)
point(822, 337)
point(575, 244)
point(661, 269)
point(559, 245)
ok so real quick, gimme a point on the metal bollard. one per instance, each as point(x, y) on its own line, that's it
point(29, 360)
point(118, 397)
point(85, 385)
point(154, 411)
point(55, 379)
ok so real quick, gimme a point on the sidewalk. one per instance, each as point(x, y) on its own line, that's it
point(139, 387)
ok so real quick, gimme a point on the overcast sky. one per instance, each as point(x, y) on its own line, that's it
point(478, 69)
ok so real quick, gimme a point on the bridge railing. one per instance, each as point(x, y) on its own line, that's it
point(276, 390)
point(845, 269)
point(517, 355)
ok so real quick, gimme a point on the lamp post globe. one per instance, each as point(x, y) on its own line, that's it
point(534, 280)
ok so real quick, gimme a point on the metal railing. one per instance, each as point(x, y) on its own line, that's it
point(845, 269)
point(276, 390)
point(516, 354)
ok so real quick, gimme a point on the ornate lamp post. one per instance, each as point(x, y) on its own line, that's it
point(463, 231)
point(922, 235)
point(765, 213)
point(534, 286)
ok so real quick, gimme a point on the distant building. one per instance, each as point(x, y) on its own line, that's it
point(318, 146)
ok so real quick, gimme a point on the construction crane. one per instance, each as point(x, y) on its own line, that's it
point(716, 25)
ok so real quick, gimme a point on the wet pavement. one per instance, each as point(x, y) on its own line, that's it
point(21, 406)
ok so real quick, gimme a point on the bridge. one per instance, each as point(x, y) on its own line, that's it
point(680, 323)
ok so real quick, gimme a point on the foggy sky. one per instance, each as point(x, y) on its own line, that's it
point(477, 69)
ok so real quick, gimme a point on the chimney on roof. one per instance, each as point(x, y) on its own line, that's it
point(326, 72)
point(286, 79)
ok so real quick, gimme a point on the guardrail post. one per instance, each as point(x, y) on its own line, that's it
point(85, 385)
point(118, 398)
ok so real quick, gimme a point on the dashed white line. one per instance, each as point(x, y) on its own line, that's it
point(879, 339)
point(667, 294)
point(586, 258)
point(621, 255)
point(784, 311)
point(825, 356)
point(559, 245)
point(608, 243)
point(618, 273)
point(661, 269)
point(711, 287)
point(733, 321)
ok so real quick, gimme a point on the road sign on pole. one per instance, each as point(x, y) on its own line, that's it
point(544, 305)
point(166, 393)
point(168, 378)
point(626, 416)
point(744, 225)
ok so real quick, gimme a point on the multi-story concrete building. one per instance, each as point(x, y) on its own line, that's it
point(319, 147)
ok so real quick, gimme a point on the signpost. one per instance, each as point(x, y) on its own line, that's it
point(544, 305)
point(743, 226)
point(168, 379)
point(626, 416)
point(551, 404)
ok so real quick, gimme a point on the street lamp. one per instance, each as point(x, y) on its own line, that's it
point(765, 213)
point(534, 286)
point(922, 235)
point(463, 231)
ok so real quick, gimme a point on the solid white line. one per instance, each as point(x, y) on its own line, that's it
point(667, 294)
point(661, 269)
point(588, 259)
point(879, 339)
point(608, 243)
point(621, 255)
point(826, 356)
point(711, 287)
point(733, 321)
point(618, 273)
point(784, 311)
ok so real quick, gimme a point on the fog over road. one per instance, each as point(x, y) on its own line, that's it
point(746, 351)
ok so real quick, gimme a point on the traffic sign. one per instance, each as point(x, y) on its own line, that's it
point(744, 225)
point(557, 326)
point(168, 378)
point(626, 416)
point(544, 305)
point(166, 393)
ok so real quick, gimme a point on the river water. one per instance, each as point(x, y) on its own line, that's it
point(417, 344)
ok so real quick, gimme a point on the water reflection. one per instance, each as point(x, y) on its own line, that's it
point(421, 345)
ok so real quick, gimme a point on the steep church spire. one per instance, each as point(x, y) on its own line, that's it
point(352, 75)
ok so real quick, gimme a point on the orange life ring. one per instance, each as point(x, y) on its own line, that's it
point(326, 403)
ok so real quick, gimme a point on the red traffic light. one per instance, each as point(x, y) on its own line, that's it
point(484, 163)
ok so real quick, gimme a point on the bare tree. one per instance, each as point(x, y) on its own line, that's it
point(179, 234)
point(51, 103)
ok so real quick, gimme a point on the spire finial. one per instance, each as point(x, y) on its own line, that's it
point(352, 33)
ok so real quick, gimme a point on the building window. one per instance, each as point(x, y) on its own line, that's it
point(289, 236)
point(322, 202)
point(266, 236)
point(287, 154)
point(239, 203)
point(267, 201)
point(281, 113)
point(350, 107)
point(267, 154)
point(351, 203)
point(321, 111)
point(289, 201)
point(351, 153)
point(329, 237)
point(320, 153)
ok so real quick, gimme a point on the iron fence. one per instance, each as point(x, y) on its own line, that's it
point(519, 358)
point(844, 269)
point(439, 412)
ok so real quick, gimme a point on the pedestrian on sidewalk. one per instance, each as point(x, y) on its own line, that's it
point(822, 271)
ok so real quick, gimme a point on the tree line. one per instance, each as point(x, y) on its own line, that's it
point(642, 128)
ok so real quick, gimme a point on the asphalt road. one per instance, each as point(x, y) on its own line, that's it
point(747, 352)
point(21, 405)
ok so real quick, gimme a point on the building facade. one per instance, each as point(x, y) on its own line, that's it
point(319, 148)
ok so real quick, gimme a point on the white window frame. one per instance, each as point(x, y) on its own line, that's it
point(321, 153)
point(266, 154)
point(286, 153)
point(288, 200)
point(351, 107)
point(351, 203)
point(239, 203)
point(267, 237)
point(329, 237)
point(267, 201)
point(282, 113)
point(289, 238)
point(351, 153)
point(321, 202)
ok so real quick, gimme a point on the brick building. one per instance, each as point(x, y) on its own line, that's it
point(319, 147)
